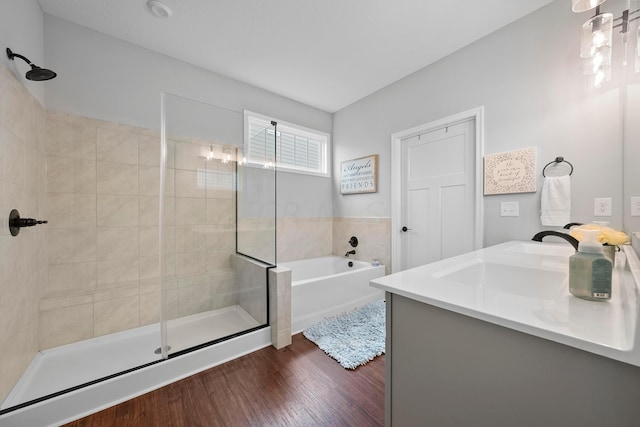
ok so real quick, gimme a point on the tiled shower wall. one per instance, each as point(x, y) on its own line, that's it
point(23, 258)
point(103, 197)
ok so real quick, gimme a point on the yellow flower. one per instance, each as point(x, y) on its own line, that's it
point(607, 235)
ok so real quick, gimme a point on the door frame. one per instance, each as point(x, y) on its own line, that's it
point(396, 176)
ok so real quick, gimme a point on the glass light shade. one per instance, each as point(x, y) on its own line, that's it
point(584, 5)
point(601, 76)
point(596, 33)
point(601, 60)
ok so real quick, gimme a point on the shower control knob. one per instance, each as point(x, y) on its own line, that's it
point(15, 222)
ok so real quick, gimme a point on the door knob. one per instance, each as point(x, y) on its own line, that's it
point(405, 229)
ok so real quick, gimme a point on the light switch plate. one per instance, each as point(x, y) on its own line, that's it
point(509, 209)
point(635, 206)
point(602, 206)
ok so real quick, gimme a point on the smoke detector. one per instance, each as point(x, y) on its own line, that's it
point(159, 9)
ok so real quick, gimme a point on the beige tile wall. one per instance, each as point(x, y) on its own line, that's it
point(302, 238)
point(23, 258)
point(103, 192)
point(374, 238)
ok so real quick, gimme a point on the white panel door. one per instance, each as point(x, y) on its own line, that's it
point(438, 194)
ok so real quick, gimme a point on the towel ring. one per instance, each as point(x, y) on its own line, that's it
point(558, 159)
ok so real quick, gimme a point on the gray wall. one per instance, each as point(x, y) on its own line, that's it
point(106, 78)
point(528, 77)
point(21, 30)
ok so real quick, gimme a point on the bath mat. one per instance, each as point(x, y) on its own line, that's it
point(352, 338)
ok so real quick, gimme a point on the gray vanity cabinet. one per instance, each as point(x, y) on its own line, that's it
point(447, 369)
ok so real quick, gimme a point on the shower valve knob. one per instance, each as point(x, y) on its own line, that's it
point(26, 222)
point(15, 222)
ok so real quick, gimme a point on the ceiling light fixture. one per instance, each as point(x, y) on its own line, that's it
point(597, 35)
point(159, 9)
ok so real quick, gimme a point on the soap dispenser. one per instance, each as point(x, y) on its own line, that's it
point(590, 270)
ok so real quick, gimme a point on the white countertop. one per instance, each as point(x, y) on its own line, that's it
point(524, 286)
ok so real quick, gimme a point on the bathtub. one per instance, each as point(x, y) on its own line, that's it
point(326, 286)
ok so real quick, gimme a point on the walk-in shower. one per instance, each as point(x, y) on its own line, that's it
point(145, 238)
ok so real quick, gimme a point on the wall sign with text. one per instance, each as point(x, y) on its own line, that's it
point(359, 175)
point(510, 172)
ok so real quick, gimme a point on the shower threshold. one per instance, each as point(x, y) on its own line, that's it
point(83, 362)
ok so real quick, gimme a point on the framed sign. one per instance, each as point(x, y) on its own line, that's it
point(359, 175)
point(510, 172)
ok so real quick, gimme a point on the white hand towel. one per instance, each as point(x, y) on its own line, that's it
point(556, 200)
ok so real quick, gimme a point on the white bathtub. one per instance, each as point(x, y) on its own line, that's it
point(326, 286)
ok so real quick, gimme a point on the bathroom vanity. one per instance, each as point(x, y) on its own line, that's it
point(493, 338)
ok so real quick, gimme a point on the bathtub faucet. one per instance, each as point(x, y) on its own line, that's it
point(351, 252)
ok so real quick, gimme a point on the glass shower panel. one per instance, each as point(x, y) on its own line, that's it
point(257, 200)
point(202, 291)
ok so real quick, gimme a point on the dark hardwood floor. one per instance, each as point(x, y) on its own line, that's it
point(296, 386)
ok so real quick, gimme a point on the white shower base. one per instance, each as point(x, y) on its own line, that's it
point(70, 365)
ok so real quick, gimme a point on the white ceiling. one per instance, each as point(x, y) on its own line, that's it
point(324, 53)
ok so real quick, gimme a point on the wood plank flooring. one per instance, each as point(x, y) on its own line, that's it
point(296, 386)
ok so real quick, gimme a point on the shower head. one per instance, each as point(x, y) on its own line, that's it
point(39, 74)
point(35, 73)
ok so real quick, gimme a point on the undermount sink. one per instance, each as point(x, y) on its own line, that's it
point(511, 279)
point(523, 285)
point(559, 250)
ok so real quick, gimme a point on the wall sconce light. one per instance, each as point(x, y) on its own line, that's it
point(597, 35)
point(226, 156)
point(210, 154)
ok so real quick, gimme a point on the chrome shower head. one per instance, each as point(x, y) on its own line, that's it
point(36, 73)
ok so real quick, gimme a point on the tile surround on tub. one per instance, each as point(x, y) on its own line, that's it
point(374, 238)
point(303, 238)
point(300, 238)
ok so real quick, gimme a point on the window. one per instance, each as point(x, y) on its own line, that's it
point(294, 148)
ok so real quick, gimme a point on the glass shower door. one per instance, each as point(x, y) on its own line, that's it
point(203, 283)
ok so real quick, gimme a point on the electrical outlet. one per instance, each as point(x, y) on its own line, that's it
point(509, 209)
point(602, 206)
point(635, 206)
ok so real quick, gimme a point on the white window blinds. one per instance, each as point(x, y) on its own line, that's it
point(293, 148)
